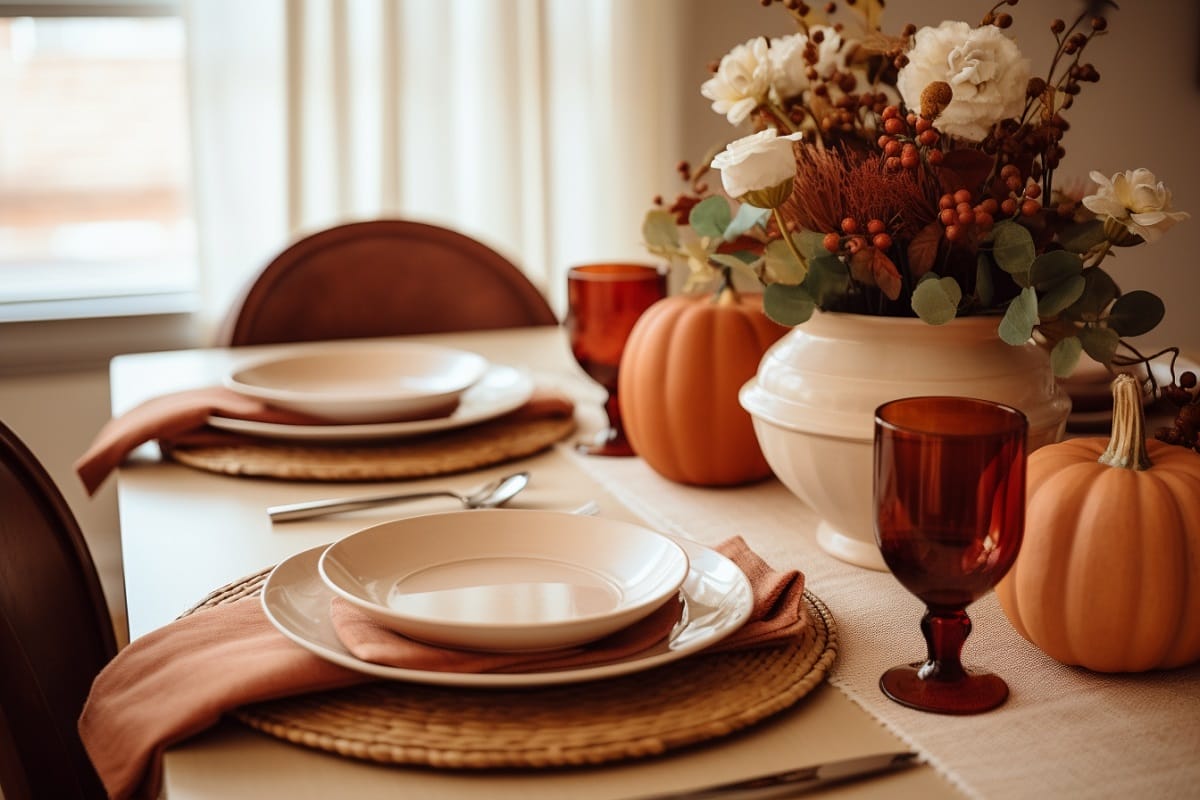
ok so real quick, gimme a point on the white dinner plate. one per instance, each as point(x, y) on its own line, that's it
point(367, 382)
point(717, 601)
point(500, 390)
point(505, 580)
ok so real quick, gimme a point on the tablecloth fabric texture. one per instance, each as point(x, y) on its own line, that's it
point(1062, 727)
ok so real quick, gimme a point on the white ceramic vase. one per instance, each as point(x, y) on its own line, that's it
point(814, 397)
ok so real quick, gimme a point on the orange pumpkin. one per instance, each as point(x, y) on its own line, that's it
point(683, 365)
point(1108, 576)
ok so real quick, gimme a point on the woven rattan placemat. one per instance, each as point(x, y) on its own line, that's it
point(419, 457)
point(690, 701)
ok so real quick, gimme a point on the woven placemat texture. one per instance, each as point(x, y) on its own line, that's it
point(690, 701)
point(418, 457)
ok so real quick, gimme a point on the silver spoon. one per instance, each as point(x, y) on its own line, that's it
point(489, 495)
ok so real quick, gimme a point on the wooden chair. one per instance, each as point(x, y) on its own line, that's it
point(383, 278)
point(55, 633)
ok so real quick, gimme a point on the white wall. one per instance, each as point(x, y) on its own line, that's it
point(56, 415)
point(1144, 112)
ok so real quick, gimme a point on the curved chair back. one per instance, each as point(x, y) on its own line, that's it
point(55, 633)
point(383, 278)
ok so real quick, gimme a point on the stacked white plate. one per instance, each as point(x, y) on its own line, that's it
point(365, 390)
point(508, 580)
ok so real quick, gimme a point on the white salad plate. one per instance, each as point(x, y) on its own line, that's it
point(501, 389)
point(505, 580)
point(371, 382)
point(717, 600)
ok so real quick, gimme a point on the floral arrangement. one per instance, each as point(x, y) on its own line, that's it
point(917, 174)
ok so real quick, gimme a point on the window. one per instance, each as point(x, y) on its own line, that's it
point(95, 217)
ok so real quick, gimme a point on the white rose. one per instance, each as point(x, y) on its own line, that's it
point(983, 67)
point(756, 163)
point(742, 81)
point(1135, 199)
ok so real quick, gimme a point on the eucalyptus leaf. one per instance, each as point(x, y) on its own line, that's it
point(936, 299)
point(1012, 247)
point(710, 217)
point(1065, 356)
point(828, 279)
point(1099, 343)
point(660, 231)
point(1020, 318)
point(738, 260)
point(735, 263)
point(1060, 296)
point(1136, 313)
point(747, 217)
point(782, 263)
point(1099, 290)
point(1054, 267)
point(728, 260)
point(788, 305)
point(810, 244)
point(1083, 236)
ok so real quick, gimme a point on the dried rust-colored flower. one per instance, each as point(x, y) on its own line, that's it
point(833, 185)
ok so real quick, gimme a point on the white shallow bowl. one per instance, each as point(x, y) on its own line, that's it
point(371, 382)
point(505, 580)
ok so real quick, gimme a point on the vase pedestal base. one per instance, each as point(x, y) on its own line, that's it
point(848, 549)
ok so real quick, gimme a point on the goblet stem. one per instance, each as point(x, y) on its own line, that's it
point(613, 410)
point(945, 632)
point(940, 684)
point(611, 442)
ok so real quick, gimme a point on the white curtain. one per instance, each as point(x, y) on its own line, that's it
point(542, 127)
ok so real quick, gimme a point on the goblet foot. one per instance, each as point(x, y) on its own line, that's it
point(605, 443)
point(967, 694)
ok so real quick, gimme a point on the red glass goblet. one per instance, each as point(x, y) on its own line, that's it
point(949, 518)
point(603, 303)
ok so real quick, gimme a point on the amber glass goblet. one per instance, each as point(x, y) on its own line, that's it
point(949, 518)
point(603, 303)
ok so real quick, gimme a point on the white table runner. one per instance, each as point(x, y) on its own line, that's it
point(1064, 732)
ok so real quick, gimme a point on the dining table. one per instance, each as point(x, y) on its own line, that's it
point(1063, 732)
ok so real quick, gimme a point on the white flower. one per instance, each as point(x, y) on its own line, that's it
point(742, 81)
point(1135, 199)
point(789, 67)
point(832, 51)
point(983, 67)
point(756, 163)
point(789, 70)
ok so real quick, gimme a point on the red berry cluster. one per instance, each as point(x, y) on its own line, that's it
point(1186, 429)
point(904, 138)
point(959, 215)
point(1023, 195)
point(876, 236)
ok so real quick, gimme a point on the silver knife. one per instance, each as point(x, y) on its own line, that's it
point(796, 781)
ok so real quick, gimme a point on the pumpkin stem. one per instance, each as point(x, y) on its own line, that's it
point(726, 295)
point(1127, 447)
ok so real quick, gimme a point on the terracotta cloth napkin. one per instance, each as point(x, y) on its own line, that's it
point(181, 418)
point(176, 681)
point(369, 641)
